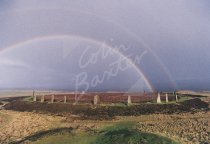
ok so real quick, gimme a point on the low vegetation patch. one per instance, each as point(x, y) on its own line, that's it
point(122, 133)
point(107, 112)
point(4, 119)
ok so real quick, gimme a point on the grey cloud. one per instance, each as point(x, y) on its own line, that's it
point(176, 32)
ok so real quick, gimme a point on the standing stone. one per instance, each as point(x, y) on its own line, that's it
point(158, 98)
point(42, 98)
point(166, 97)
point(52, 98)
point(129, 100)
point(64, 99)
point(75, 97)
point(96, 100)
point(177, 98)
point(34, 98)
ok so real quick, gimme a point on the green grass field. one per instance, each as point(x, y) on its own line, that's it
point(67, 139)
point(122, 133)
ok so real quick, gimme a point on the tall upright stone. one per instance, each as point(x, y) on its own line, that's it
point(34, 98)
point(64, 99)
point(158, 98)
point(75, 97)
point(177, 100)
point(166, 97)
point(42, 98)
point(96, 100)
point(52, 98)
point(129, 100)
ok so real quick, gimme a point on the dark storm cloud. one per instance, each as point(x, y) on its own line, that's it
point(174, 35)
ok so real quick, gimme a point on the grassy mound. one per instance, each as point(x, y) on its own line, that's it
point(125, 133)
point(122, 133)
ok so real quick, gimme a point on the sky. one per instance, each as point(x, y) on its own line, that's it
point(112, 45)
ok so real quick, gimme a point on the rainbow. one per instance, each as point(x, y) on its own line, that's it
point(50, 37)
point(123, 28)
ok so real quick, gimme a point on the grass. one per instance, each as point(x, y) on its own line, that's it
point(184, 98)
point(28, 98)
point(125, 133)
point(67, 139)
point(5, 119)
point(121, 133)
point(113, 104)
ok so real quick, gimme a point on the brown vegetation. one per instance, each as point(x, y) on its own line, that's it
point(107, 112)
point(104, 97)
point(186, 127)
